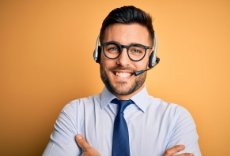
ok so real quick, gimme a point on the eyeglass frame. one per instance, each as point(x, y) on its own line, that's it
point(126, 47)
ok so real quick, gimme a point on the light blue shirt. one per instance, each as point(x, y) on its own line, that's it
point(154, 126)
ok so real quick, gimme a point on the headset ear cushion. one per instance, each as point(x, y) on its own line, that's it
point(99, 54)
point(152, 61)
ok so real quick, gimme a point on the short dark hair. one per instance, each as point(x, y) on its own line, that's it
point(127, 15)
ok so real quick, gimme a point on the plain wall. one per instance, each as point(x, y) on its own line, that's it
point(46, 61)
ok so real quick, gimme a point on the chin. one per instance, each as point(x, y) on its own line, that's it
point(122, 87)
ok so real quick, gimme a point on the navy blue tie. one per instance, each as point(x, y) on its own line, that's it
point(120, 145)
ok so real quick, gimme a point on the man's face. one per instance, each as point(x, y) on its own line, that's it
point(118, 74)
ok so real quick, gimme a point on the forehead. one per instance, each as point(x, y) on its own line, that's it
point(127, 34)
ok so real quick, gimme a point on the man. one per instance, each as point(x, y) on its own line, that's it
point(151, 126)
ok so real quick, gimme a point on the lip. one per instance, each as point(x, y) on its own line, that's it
point(122, 74)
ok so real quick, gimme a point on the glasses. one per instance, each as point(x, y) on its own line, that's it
point(113, 50)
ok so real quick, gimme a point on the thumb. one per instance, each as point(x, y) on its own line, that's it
point(82, 142)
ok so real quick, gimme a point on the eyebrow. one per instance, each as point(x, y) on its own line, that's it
point(132, 43)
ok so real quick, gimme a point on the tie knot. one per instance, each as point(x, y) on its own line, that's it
point(122, 104)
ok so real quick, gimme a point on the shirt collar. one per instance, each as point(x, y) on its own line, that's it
point(140, 99)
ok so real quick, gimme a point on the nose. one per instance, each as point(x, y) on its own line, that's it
point(123, 59)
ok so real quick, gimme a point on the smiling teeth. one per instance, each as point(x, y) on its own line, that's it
point(123, 75)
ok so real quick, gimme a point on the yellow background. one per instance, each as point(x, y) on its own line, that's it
point(46, 61)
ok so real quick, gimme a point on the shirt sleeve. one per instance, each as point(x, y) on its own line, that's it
point(62, 140)
point(183, 132)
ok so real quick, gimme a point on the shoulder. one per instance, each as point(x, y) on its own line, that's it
point(161, 104)
point(167, 109)
point(82, 103)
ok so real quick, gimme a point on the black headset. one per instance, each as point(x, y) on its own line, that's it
point(153, 59)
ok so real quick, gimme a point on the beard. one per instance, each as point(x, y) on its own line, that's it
point(120, 87)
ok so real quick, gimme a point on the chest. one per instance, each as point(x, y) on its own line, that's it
point(148, 133)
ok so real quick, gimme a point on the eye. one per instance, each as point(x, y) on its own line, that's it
point(112, 48)
point(137, 50)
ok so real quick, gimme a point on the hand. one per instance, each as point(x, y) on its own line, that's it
point(88, 150)
point(175, 149)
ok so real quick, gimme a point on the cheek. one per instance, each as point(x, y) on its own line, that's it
point(106, 63)
point(143, 64)
point(147, 60)
point(103, 60)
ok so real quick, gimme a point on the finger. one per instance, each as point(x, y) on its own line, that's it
point(174, 150)
point(186, 154)
point(82, 142)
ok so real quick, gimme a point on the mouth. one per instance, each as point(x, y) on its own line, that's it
point(122, 74)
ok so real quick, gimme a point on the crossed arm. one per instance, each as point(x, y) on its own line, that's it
point(90, 151)
point(63, 141)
